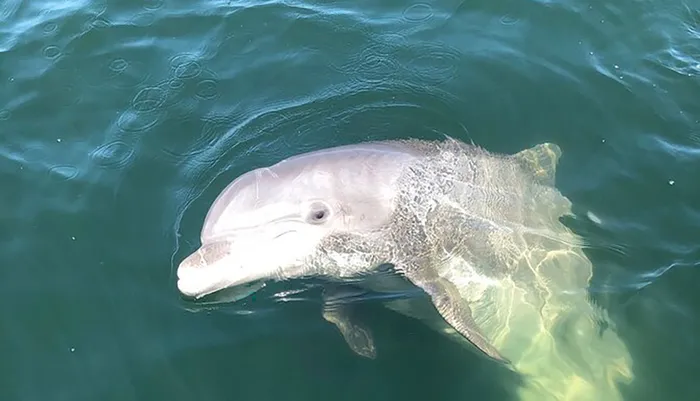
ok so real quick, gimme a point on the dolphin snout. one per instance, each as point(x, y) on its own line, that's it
point(191, 282)
point(200, 274)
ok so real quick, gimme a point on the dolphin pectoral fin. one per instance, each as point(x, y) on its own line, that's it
point(356, 335)
point(454, 310)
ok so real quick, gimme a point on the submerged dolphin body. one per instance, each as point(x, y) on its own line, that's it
point(478, 232)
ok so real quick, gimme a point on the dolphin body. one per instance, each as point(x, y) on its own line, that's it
point(477, 232)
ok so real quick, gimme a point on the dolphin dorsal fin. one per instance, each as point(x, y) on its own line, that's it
point(540, 161)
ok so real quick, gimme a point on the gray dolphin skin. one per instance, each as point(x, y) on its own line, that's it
point(477, 232)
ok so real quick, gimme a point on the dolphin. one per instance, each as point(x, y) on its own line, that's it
point(327, 213)
point(477, 232)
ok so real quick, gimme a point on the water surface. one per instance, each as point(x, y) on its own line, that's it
point(121, 121)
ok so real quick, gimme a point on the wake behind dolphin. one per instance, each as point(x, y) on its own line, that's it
point(477, 232)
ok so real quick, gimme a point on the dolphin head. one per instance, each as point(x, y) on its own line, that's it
point(271, 222)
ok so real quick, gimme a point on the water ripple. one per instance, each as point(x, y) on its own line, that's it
point(680, 59)
point(644, 279)
point(64, 172)
point(214, 127)
point(432, 63)
point(418, 12)
point(134, 121)
point(113, 155)
point(373, 64)
point(678, 150)
point(143, 19)
point(185, 66)
point(9, 8)
point(149, 99)
point(172, 95)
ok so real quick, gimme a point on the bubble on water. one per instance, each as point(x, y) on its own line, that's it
point(5, 115)
point(149, 99)
point(418, 12)
point(51, 52)
point(63, 172)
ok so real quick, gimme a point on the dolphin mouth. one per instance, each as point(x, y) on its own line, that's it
point(197, 278)
point(213, 268)
point(197, 283)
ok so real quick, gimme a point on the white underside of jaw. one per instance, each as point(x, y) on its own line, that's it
point(199, 282)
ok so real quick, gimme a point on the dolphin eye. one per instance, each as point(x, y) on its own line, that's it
point(318, 213)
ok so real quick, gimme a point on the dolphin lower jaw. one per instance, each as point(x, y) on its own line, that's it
point(200, 279)
point(195, 280)
point(196, 285)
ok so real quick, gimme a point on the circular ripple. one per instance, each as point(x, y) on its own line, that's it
point(134, 121)
point(435, 64)
point(97, 23)
point(393, 40)
point(207, 90)
point(508, 20)
point(149, 99)
point(112, 155)
point(63, 172)
point(185, 66)
point(51, 52)
point(174, 91)
point(418, 12)
point(50, 27)
point(143, 19)
point(374, 64)
point(176, 84)
point(152, 4)
point(118, 65)
point(118, 73)
point(188, 70)
point(5, 115)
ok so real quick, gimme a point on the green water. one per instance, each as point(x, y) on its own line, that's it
point(121, 121)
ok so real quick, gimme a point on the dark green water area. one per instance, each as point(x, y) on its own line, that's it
point(120, 122)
